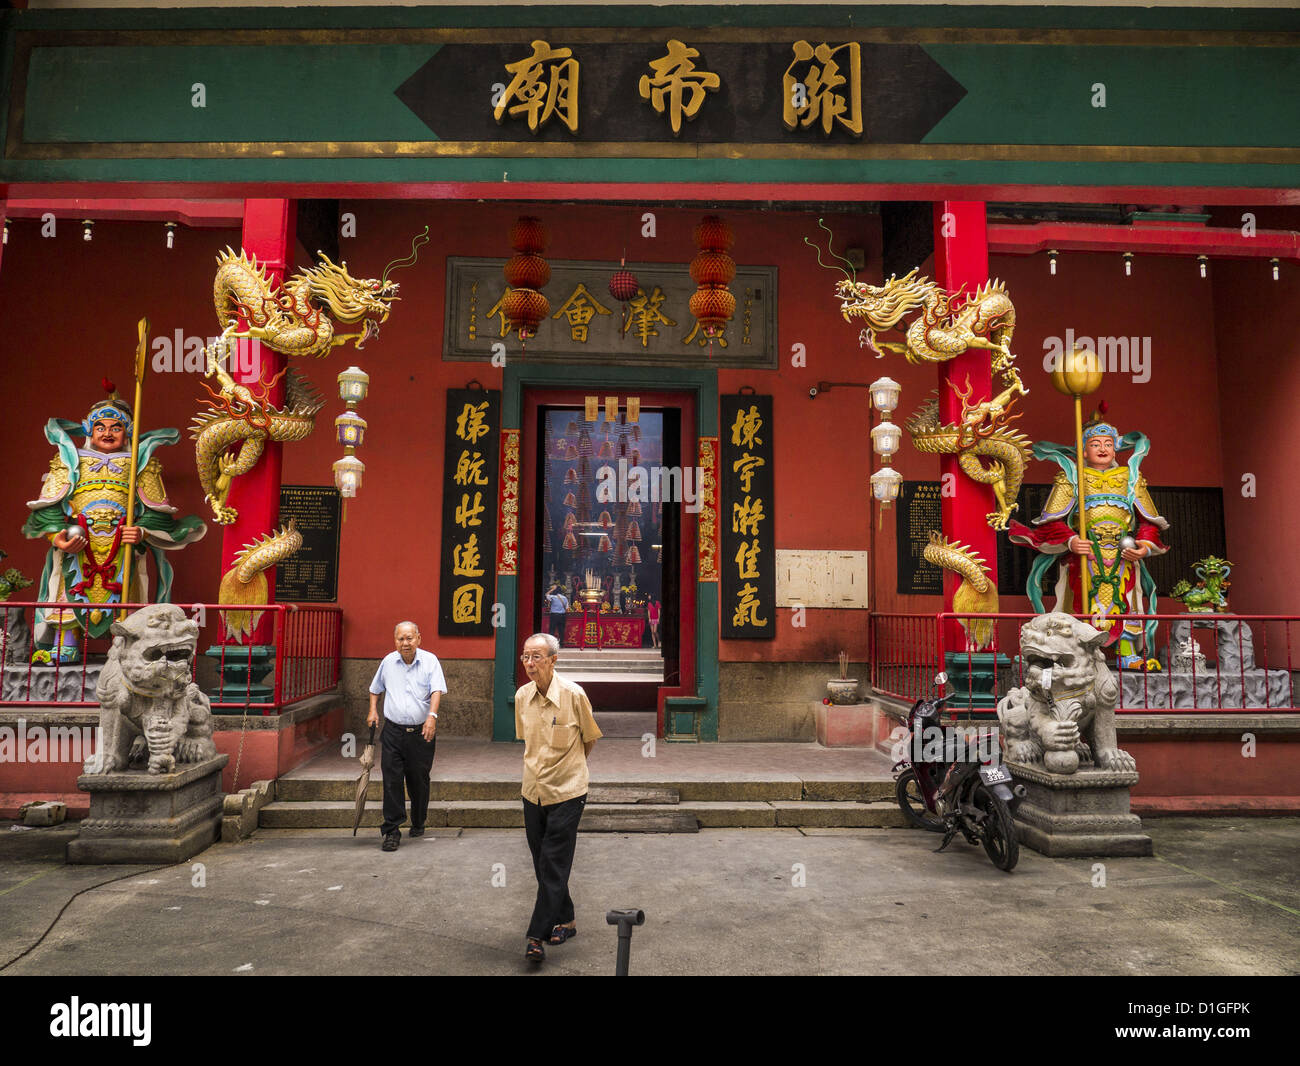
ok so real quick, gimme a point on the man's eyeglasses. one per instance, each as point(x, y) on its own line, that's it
point(533, 657)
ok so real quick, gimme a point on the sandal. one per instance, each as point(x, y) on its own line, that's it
point(561, 933)
point(534, 952)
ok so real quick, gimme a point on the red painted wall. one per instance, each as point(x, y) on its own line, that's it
point(1259, 381)
point(69, 310)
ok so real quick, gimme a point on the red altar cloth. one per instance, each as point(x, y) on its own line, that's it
point(616, 631)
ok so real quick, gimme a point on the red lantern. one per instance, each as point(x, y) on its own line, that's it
point(528, 235)
point(712, 268)
point(713, 234)
point(527, 271)
point(712, 304)
point(524, 309)
point(623, 285)
point(713, 307)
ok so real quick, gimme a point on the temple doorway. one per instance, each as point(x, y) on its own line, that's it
point(606, 530)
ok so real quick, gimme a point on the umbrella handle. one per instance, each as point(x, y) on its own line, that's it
point(372, 735)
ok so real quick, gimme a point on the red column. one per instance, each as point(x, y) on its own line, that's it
point(961, 257)
point(269, 234)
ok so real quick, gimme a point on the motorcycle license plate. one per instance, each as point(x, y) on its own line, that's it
point(995, 775)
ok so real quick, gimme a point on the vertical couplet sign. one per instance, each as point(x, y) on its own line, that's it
point(467, 587)
point(748, 563)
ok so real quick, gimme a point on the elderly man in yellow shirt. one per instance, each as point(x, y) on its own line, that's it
point(553, 718)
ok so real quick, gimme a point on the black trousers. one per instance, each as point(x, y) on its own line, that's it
point(552, 834)
point(557, 626)
point(406, 760)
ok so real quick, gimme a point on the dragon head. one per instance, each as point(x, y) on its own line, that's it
point(883, 306)
point(350, 299)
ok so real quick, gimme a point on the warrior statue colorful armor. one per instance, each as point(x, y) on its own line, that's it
point(82, 512)
point(1123, 528)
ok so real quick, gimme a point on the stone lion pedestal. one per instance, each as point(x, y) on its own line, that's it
point(141, 817)
point(1085, 813)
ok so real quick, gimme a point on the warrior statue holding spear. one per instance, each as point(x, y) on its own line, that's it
point(104, 511)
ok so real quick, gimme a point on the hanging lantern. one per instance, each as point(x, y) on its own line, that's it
point(633, 556)
point(605, 520)
point(350, 429)
point(354, 384)
point(604, 545)
point(569, 520)
point(885, 439)
point(528, 235)
point(634, 531)
point(572, 453)
point(712, 268)
point(885, 484)
point(884, 395)
point(714, 234)
point(569, 501)
point(713, 307)
point(570, 476)
point(348, 472)
point(526, 272)
point(605, 451)
point(570, 541)
point(712, 303)
point(634, 508)
point(524, 310)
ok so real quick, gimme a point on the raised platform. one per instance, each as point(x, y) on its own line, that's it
point(55, 742)
point(476, 783)
point(137, 817)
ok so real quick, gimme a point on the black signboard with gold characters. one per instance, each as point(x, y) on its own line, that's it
point(311, 574)
point(467, 587)
point(747, 597)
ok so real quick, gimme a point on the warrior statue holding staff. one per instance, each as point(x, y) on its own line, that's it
point(1121, 529)
point(82, 511)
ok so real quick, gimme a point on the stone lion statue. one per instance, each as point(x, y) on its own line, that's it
point(149, 705)
point(1065, 713)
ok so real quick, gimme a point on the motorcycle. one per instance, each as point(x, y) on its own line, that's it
point(953, 789)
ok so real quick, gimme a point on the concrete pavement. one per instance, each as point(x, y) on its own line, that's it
point(1220, 898)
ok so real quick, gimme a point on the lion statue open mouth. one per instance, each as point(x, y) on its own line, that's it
point(149, 706)
point(1064, 715)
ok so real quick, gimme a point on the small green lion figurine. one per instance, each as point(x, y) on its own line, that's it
point(11, 580)
point(1209, 594)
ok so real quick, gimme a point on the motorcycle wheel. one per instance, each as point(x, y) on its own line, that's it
point(910, 801)
point(999, 832)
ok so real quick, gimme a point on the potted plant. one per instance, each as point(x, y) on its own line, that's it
point(843, 689)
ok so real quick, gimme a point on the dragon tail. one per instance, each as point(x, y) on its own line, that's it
point(976, 594)
point(245, 582)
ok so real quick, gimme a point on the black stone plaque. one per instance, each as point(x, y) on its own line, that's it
point(467, 584)
point(918, 512)
point(748, 543)
point(311, 574)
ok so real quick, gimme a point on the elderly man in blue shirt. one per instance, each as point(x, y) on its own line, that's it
point(411, 682)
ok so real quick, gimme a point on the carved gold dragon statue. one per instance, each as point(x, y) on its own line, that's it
point(946, 325)
point(980, 434)
point(296, 318)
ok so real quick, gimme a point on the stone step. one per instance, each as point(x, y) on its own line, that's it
point(626, 723)
point(300, 788)
point(603, 817)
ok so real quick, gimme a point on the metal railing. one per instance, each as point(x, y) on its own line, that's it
point(302, 658)
point(1234, 663)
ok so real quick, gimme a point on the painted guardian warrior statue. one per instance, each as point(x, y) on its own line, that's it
point(1122, 528)
point(82, 511)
